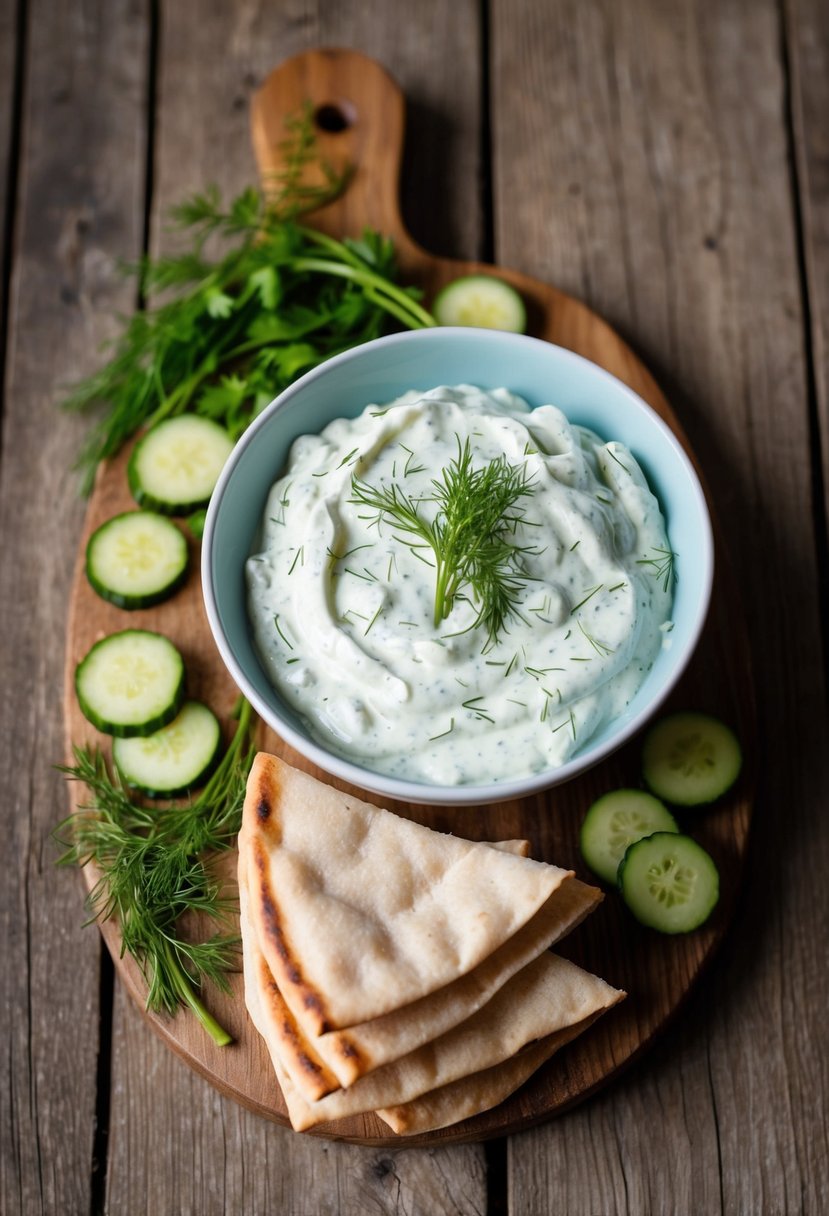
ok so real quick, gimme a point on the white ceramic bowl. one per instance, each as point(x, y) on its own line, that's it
point(378, 372)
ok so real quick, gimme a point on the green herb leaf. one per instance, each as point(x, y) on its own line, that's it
point(155, 866)
point(473, 536)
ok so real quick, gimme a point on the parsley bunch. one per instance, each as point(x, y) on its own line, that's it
point(234, 329)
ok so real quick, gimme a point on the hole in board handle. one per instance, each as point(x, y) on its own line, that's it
point(334, 117)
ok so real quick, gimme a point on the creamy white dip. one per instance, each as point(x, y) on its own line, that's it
point(342, 608)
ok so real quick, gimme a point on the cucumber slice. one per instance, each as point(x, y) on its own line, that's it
point(614, 822)
point(175, 759)
point(136, 559)
point(481, 300)
point(690, 759)
point(130, 683)
point(669, 882)
point(175, 466)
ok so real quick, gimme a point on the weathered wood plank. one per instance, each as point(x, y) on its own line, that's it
point(807, 41)
point(79, 210)
point(187, 1150)
point(172, 1138)
point(655, 136)
point(9, 33)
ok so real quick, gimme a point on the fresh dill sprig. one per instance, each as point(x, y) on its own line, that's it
point(472, 537)
point(661, 566)
point(223, 333)
point(154, 865)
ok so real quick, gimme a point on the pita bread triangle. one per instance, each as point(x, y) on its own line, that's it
point(547, 996)
point(340, 1057)
point(358, 911)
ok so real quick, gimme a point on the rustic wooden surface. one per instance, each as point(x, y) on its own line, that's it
point(666, 163)
point(657, 972)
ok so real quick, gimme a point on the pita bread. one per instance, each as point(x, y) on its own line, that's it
point(547, 996)
point(358, 911)
point(479, 1092)
point(310, 1069)
point(339, 1058)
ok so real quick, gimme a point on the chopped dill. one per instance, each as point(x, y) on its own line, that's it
point(589, 596)
point(444, 733)
point(373, 619)
point(479, 711)
point(600, 647)
point(661, 566)
point(299, 556)
point(279, 630)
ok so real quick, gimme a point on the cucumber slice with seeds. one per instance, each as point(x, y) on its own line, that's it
point(690, 759)
point(616, 821)
point(174, 759)
point(136, 559)
point(669, 882)
point(483, 301)
point(175, 466)
point(130, 683)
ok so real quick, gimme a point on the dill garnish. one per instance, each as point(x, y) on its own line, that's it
point(472, 538)
point(278, 629)
point(661, 566)
point(443, 734)
point(479, 711)
point(589, 596)
point(154, 865)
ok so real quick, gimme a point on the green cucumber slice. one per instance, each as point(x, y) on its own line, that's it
point(136, 559)
point(690, 759)
point(669, 882)
point(175, 466)
point(481, 300)
point(130, 683)
point(614, 822)
point(174, 759)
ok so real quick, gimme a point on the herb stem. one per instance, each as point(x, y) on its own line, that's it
point(410, 310)
point(185, 990)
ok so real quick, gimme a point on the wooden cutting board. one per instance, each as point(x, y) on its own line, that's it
point(360, 114)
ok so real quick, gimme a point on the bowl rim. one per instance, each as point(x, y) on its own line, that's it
point(424, 793)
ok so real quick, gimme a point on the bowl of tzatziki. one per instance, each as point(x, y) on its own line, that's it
point(456, 566)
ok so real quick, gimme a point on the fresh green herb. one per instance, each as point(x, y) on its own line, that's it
point(599, 647)
point(154, 866)
point(472, 537)
point(408, 468)
point(299, 556)
point(237, 327)
point(618, 461)
point(661, 566)
point(373, 619)
point(278, 629)
point(479, 711)
point(444, 733)
point(617, 587)
point(589, 596)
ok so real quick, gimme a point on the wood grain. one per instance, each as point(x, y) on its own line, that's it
point(670, 210)
point(806, 28)
point(212, 57)
point(656, 971)
point(79, 211)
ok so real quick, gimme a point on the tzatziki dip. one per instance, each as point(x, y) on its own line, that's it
point(456, 589)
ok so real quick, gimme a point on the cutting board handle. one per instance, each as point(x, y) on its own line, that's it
point(358, 115)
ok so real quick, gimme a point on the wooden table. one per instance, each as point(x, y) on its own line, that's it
point(669, 164)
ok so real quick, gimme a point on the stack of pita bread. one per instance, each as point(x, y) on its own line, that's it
point(395, 969)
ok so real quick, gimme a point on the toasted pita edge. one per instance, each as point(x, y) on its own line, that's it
point(481, 1091)
point(262, 830)
point(312, 1074)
